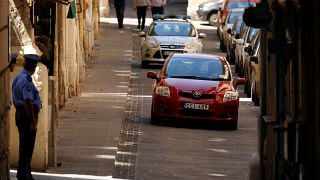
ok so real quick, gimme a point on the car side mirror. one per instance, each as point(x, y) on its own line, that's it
point(237, 36)
point(152, 75)
point(248, 49)
point(229, 31)
point(254, 59)
point(202, 35)
point(240, 41)
point(142, 34)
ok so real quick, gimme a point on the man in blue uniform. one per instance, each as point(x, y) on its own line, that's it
point(27, 102)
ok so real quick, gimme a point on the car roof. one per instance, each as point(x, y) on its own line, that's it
point(198, 56)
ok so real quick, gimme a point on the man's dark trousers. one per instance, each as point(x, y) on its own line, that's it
point(26, 143)
point(120, 6)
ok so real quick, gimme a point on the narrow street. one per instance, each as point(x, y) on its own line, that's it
point(106, 133)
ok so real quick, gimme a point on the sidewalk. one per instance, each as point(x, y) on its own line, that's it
point(89, 125)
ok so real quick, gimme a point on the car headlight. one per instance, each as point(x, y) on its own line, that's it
point(163, 91)
point(230, 96)
point(152, 44)
point(191, 46)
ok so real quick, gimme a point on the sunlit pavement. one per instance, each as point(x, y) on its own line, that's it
point(53, 176)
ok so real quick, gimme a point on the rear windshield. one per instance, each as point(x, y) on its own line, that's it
point(201, 69)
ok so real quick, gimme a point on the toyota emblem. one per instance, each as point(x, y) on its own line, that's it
point(197, 95)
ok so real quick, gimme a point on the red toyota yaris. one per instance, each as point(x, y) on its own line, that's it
point(195, 86)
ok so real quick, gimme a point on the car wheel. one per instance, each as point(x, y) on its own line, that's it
point(234, 125)
point(213, 18)
point(144, 64)
point(257, 101)
point(222, 46)
point(154, 118)
point(231, 59)
point(254, 96)
point(236, 68)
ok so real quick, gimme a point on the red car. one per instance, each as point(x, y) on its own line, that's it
point(195, 86)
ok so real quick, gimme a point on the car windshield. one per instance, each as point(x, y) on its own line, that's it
point(201, 69)
point(233, 5)
point(172, 29)
point(234, 16)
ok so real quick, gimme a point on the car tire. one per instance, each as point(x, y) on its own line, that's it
point(222, 46)
point(154, 119)
point(254, 97)
point(213, 18)
point(234, 125)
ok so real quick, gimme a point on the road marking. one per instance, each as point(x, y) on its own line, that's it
point(122, 164)
point(216, 139)
point(71, 176)
point(102, 94)
point(218, 175)
point(125, 153)
point(105, 156)
point(219, 150)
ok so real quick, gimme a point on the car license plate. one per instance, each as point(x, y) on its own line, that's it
point(167, 53)
point(196, 106)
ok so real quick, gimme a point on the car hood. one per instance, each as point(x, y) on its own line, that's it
point(198, 85)
point(172, 40)
point(216, 3)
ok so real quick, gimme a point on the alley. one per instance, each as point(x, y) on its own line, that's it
point(106, 133)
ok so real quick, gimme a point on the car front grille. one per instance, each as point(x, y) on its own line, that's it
point(190, 95)
point(172, 46)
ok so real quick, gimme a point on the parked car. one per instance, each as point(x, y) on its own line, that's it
point(233, 34)
point(255, 78)
point(195, 86)
point(238, 46)
point(208, 11)
point(246, 42)
point(231, 17)
point(251, 50)
point(230, 4)
point(169, 34)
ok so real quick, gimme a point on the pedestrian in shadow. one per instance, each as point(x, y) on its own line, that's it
point(119, 6)
point(157, 6)
point(141, 7)
point(27, 101)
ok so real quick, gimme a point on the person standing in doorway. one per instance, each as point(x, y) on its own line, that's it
point(119, 6)
point(157, 6)
point(141, 7)
point(27, 101)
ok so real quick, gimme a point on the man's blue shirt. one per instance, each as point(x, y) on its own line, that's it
point(23, 89)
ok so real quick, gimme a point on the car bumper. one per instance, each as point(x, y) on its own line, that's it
point(202, 15)
point(160, 54)
point(164, 108)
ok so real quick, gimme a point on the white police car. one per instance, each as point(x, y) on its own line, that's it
point(169, 34)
